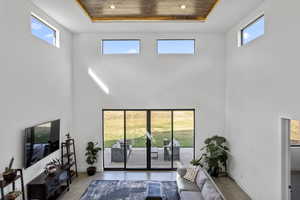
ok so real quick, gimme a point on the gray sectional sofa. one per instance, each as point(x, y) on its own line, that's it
point(203, 188)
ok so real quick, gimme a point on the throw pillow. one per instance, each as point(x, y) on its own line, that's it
point(201, 178)
point(191, 174)
point(181, 171)
point(175, 143)
point(117, 145)
point(209, 192)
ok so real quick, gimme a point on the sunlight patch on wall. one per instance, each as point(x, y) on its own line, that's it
point(97, 80)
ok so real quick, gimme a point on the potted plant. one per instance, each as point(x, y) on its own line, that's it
point(91, 157)
point(9, 173)
point(13, 195)
point(214, 157)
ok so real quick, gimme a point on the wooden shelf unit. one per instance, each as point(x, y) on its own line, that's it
point(4, 184)
point(68, 158)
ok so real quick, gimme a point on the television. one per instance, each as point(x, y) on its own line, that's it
point(40, 141)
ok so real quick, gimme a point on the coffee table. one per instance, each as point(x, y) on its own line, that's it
point(154, 191)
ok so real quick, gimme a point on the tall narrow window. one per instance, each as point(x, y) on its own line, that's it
point(120, 47)
point(175, 46)
point(43, 31)
point(253, 30)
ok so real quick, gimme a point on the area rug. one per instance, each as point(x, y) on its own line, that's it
point(126, 190)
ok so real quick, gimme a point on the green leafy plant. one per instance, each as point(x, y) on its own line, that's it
point(196, 163)
point(9, 169)
point(214, 155)
point(91, 153)
point(10, 174)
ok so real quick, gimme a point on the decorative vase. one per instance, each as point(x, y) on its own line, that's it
point(214, 171)
point(10, 175)
point(51, 169)
point(91, 171)
point(13, 195)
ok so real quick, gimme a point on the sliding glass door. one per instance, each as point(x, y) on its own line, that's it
point(161, 136)
point(136, 131)
point(148, 139)
point(113, 131)
point(183, 136)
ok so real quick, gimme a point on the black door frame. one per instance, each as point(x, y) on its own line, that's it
point(148, 141)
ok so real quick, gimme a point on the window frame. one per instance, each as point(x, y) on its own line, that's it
point(292, 145)
point(247, 26)
point(55, 30)
point(295, 145)
point(127, 54)
point(148, 124)
point(159, 54)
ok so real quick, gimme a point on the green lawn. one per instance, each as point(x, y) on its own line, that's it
point(136, 127)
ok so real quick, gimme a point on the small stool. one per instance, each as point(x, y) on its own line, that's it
point(154, 191)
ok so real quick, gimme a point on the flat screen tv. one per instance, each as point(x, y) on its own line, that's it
point(41, 141)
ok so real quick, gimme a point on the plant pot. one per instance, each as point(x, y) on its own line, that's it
point(91, 171)
point(10, 176)
point(13, 195)
point(214, 171)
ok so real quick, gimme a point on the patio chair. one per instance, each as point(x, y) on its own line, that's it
point(168, 151)
point(117, 152)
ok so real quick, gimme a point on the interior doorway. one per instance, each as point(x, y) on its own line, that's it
point(291, 159)
point(148, 138)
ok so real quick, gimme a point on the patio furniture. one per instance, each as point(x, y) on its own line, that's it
point(154, 153)
point(154, 191)
point(117, 152)
point(168, 151)
point(166, 141)
point(129, 143)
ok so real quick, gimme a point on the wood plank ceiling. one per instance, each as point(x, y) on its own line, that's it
point(119, 10)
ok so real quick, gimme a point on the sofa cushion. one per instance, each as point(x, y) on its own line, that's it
point(185, 185)
point(201, 178)
point(191, 174)
point(175, 143)
point(188, 195)
point(209, 191)
point(116, 145)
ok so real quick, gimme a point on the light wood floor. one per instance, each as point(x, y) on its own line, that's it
point(295, 182)
point(79, 184)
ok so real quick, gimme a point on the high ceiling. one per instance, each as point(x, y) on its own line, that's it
point(71, 15)
point(99, 10)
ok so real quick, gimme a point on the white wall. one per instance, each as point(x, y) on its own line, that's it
point(261, 86)
point(35, 81)
point(148, 81)
point(262, 81)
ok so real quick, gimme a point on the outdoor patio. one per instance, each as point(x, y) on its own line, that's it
point(138, 158)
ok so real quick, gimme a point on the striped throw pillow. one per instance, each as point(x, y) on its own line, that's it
point(191, 174)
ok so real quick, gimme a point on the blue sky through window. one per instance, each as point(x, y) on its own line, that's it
point(176, 46)
point(42, 31)
point(253, 31)
point(121, 46)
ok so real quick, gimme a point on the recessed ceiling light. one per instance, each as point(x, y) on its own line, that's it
point(183, 7)
point(112, 6)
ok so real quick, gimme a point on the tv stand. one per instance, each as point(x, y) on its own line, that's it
point(45, 187)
